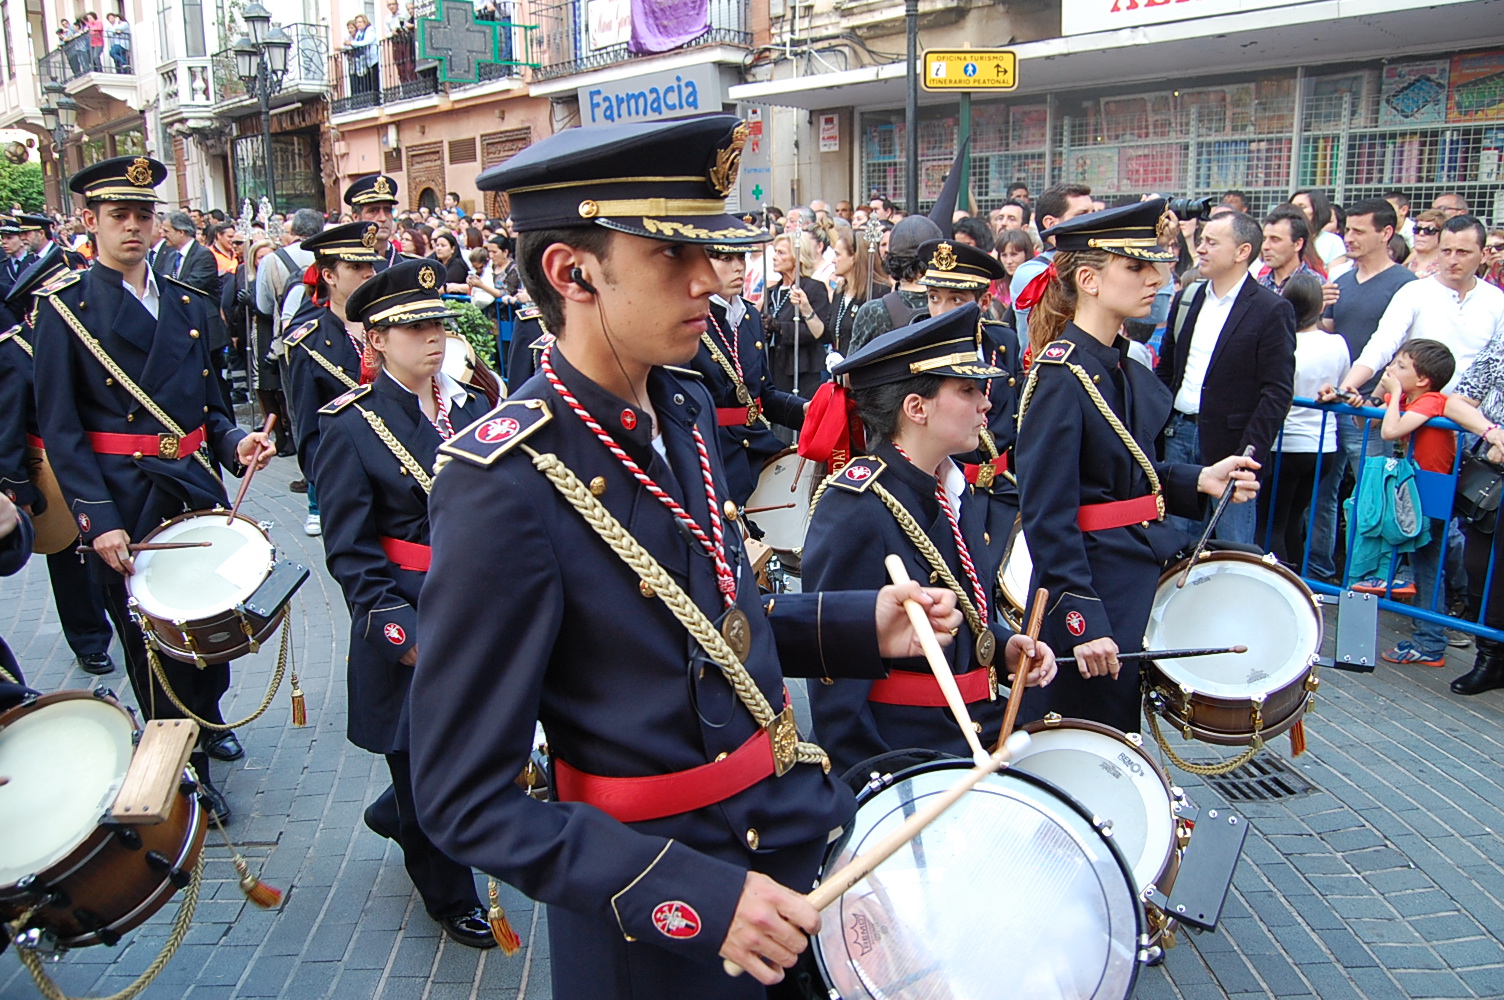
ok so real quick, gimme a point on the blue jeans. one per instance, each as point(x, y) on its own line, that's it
point(313, 498)
point(1239, 522)
point(1428, 637)
point(1324, 513)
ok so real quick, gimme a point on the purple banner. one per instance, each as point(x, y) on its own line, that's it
point(661, 25)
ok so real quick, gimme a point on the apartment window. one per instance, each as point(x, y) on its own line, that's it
point(10, 56)
point(193, 28)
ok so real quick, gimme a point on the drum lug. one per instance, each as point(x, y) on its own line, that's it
point(877, 782)
point(38, 941)
point(129, 838)
point(1269, 559)
point(245, 626)
point(1135, 739)
point(1104, 826)
point(1052, 719)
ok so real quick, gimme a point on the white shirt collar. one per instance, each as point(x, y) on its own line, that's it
point(954, 481)
point(451, 388)
point(150, 296)
point(1211, 290)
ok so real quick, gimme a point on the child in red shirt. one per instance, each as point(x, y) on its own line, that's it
point(1411, 386)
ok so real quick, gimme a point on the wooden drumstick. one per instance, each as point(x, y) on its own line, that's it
point(245, 484)
point(1162, 654)
point(1222, 502)
point(1016, 693)
point(931, 647)
point(151, 546)
point(832, 888)
point(773, 506)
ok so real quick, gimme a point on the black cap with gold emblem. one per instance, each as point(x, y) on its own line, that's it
point(372, 189)
point(661, 180)
point(354, 242)
point(9, 226)
point(1140, 231)
point(945, 345)
point(34, 223)
point(950, 264)
point(120, 178)
point(404, 293)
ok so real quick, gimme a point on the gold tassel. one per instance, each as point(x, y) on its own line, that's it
point(1298, 738)
point(501, 927)
point(257, 891)
point(299, 706)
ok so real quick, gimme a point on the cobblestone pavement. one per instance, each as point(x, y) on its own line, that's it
point(1386, 882)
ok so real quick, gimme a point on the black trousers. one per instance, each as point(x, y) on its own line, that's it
point(80, 603)
point(447, 887)
point(1297, 477)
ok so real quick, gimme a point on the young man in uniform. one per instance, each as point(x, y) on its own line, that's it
point(126, 404)
point(688, 817)
point(373, 199)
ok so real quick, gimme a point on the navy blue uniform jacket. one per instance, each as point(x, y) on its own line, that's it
point(18, 416)
point(15, 549)
point(745, 449)
point(365, 494)
point(1101, 583)
point(169, 359)
point(850, 534)
point(528, 615)
point(529, 337)
point(311, 386)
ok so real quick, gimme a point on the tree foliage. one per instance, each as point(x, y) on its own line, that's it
point(22, 185)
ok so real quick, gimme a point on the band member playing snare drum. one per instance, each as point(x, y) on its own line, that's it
point(920, 391)
point(126, 405)
point(1093, 497)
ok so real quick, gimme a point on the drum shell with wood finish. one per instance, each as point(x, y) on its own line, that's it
point(1013, 578)
point(103, 879)
point(462, 364)
point(55, 527)
point(218, 628)
point(1234, 598)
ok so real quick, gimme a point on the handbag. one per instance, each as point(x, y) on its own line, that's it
point(1479, 486)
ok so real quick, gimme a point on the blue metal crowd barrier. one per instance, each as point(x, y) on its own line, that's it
point(1437, 493)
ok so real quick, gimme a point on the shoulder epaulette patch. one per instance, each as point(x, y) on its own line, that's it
point(183, 285)
point(1056, 353)
point(684, 372)
point(60, 282)
point(493, 435)
point(293, 338)
point(859, 474)
point(544, 341)
point(340, 402)
point(529, 311)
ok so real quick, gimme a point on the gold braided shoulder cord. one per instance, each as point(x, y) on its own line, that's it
point(651, 572)
point(1107, 414)
point(395, 447)
point(21, 343)
point(932, 555)
point(126, 382)
point(332, 368)
point(736, 380)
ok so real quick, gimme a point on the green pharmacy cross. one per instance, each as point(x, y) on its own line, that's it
point(458, 42)
point(757, 192)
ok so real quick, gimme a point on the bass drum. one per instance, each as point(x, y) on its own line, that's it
point(1108, 772)
point(64, 871)
point(1014, 861)
point(784, 480)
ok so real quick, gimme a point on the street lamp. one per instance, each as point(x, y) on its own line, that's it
point(261, 64)
point(59, 115)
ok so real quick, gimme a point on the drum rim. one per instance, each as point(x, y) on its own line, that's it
point(30, 707)
point(1015, 534)
point(1117, 735)
point(961, 764)
point(799, 496)
point(1266, 563)
point(159, 530)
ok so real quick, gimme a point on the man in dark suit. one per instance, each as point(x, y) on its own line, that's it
point(1229, 358)
point(184, 258)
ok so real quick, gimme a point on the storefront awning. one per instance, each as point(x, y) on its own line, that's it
point(1324, 32)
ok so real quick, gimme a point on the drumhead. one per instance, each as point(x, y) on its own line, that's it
point(459, 358)
point(781, 482)
point(184, 584)
point(1235, 599)
point(1018, 567)
point(1116, 781)
point(1014, 861)
point(66, 761)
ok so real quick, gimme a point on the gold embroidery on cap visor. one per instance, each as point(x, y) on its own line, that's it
point(1140, 249)
point(410, 312)
point(963, 278)
point(669, 229)
point(963, 363)
point(728, 161)
point(139, 172)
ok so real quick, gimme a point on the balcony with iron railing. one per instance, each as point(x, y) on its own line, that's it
point(378, 73)
point(308, 67)
point(80, 67)
point(566, 44)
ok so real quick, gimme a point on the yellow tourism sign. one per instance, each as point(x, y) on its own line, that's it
point(970, 69)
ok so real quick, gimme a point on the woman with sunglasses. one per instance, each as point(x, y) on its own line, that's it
point(1426, 258)
point(1493, 259)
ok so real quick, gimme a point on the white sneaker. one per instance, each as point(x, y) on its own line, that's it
point(313, 525)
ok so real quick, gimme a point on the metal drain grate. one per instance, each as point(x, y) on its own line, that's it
point(1266, 778)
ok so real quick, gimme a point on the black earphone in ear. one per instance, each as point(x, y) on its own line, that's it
point(578, 277)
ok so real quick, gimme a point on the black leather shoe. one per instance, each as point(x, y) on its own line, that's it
point(1487, 672)
point(381, 815)
point(298, 486)
point(214, 801)
point(96, 663)
point(224, 747)
point(470, 929)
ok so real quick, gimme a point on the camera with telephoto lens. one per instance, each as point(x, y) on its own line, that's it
point(1192, 208)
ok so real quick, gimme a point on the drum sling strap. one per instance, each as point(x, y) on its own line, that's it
point(126, 382)
point(788, 749)
point(754, 410)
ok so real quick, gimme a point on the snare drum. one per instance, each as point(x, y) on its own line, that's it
point(191, 602)
point(84, 881)
point(782, 482)
point(1014, 860)
point(1108, 772)
point(1233, 598)
point(1013, 578)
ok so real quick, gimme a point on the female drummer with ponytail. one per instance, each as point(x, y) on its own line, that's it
point(920, 392)
point(374, 466)
point(1093, 495)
